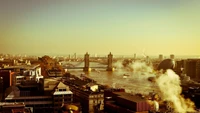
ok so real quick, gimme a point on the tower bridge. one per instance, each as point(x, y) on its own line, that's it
point(87, 61)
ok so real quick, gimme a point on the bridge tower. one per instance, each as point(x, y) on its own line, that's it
point(110, 60)
point(87, 64)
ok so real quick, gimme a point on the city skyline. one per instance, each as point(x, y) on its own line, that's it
point(100, 27)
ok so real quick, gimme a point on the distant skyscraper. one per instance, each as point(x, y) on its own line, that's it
point(95, 55)
point(135, 56)
point(74, 55)
point(147, 59)
point(172, 56)
point(160, 57)
point(192, 68)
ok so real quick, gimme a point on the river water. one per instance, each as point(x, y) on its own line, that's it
point(132, 82)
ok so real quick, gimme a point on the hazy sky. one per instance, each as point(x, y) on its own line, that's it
point(100, 26)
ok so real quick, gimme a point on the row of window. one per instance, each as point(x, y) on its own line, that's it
point(96, 96)
point(62, 89)
point(68, 95)
point(66, 100)
point(29, 100)
point(96, 102)
point(41, 106)
point(62, 98)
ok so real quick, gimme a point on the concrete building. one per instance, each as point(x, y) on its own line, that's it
point(89, 99)
point(14, 108)
point(1, 89)
point(23, 72)
point(54, 73)
point(61, 96)
point(87, 92)
point(172, 56)
point(192, 68)
point(47, 96)
point(7, 78)
point(135, 56)
point(179, 67)
point(147, 60)
point(31, 70)
point(160, 57)
point(122, 102)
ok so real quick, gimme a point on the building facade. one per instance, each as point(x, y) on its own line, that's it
point(192, 68)
point(57, 94)
point(61, 96)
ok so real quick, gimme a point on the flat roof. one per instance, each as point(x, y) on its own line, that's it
point(62, 92)
point(37, 102)
point(130, 97)
point(28, 97)
point(122, 93)
point(23, 67)
point(14, 104)
point(133, 98)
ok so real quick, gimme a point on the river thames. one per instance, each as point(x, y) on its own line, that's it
point(132, 82)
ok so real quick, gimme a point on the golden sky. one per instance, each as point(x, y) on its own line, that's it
point(122, 27)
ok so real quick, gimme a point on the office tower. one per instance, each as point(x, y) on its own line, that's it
point(172, 56)
point(160, 57)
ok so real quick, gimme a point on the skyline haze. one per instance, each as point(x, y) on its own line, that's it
point(99, 27)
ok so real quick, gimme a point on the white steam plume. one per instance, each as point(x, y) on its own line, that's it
point(169, 85)
point(141, 67)
point(137, 81)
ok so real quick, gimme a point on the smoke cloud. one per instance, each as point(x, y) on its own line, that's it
point(169, 85)
point(166, 84)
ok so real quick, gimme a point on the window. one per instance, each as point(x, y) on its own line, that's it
point(62, 90)
point(100, 101)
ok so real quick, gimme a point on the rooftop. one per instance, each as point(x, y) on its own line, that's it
point(130, 97)
point(133, 98)
point(6, 104)
point(29, 97)
point(62, 92)
point(27, 67)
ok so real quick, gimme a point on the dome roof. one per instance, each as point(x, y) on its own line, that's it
point(166, 64)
